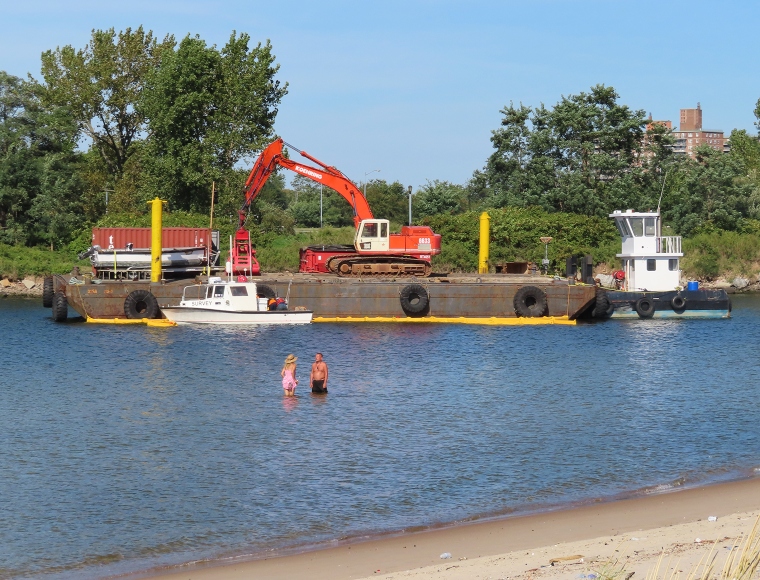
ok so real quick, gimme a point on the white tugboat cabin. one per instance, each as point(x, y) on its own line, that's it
point(651, 261)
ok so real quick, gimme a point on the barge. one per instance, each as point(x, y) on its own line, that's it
point(334, 298)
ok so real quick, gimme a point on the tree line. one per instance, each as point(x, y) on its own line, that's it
point(130, 117)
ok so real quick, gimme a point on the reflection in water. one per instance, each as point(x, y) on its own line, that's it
point(168, 445)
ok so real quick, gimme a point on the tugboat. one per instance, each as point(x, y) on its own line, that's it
point(648, 286)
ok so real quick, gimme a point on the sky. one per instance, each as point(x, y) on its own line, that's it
point(414, 88)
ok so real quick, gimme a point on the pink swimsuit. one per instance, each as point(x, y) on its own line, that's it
point(288, 382)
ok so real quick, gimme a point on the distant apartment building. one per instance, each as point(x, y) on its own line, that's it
point(691, 135)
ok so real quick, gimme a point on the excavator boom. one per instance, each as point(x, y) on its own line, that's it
point(271, 157)
point(376, 251)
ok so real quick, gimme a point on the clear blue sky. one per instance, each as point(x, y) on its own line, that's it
point(414, 87)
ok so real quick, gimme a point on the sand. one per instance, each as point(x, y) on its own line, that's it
point(559, 544)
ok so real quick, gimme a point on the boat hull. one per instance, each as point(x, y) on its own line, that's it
point(703, 303)
point(188, 315)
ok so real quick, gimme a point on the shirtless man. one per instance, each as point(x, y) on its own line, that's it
point(318, 377)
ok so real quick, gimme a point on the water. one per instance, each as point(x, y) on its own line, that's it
point(124, 447)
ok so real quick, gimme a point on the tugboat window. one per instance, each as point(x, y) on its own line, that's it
point(637, 225)
point(649, 229)
point(218, 291)
point(673, 264)
point(238, 291)
point(651, 265)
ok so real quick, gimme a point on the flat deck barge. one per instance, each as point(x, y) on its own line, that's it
point(330, 297)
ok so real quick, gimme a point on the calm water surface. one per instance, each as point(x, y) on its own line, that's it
point(125, 448)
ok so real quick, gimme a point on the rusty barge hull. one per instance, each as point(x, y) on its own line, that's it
point(330, 297)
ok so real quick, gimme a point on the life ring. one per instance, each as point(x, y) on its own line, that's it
point(645, 307)
point(414, 299)
point(530, 302)
point(602, 305)
point(678, 302)
point(48, 290)
point(264, 291)
point(60, 307)
point(140, 304)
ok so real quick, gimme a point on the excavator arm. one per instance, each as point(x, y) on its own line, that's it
point(271, 157)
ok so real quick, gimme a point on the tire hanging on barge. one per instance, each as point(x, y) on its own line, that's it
point(140, 304)
point(265, 291)
point(48, 291)
point(530, 302)
point(60, 307)
point(678, 302)
point(644, 307)
point(415, 300)
point(602, 305)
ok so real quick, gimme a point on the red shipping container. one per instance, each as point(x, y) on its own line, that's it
point(118, 238)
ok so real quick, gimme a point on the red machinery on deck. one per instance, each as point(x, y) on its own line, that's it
point(376, 251)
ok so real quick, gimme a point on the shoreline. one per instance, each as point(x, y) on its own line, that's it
point(588, 530)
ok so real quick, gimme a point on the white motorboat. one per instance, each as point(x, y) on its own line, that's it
point(220, 302)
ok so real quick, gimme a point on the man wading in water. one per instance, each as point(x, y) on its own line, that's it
point(318, 377)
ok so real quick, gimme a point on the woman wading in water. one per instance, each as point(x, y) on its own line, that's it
point(288, 374)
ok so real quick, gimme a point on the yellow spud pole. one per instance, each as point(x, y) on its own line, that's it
point(485, 235)
point(156, 239)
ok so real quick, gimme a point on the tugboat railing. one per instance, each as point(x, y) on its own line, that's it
point(669, 245)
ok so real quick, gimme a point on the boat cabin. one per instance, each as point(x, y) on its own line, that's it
point(218, 294)
point(651, 261)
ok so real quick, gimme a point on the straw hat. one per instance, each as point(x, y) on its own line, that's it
point(291, 359)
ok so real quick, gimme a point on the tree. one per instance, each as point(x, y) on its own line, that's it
point(40, 189)
point(712, 194)
point(206, 110)
point(439, 197)
point(101, 86)
point(573, 157)
point(388, 200)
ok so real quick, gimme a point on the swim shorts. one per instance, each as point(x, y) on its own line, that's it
point(318, 387)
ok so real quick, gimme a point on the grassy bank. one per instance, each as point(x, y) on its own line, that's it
point(17, 262)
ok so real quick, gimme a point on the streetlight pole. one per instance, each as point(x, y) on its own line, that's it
point(365, 180)
point(410, 204)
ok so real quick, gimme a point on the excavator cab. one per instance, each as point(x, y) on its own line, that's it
point(372, 236)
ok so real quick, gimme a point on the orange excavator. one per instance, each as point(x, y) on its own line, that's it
point(376, 251)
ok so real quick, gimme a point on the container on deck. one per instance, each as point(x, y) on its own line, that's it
point(690, 286)
point(118, 238)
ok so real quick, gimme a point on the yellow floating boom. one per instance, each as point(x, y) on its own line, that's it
point(491, 321)
point(160, 322)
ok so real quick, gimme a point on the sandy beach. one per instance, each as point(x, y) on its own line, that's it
point(681, 525)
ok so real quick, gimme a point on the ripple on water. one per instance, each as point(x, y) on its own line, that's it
point(126, 448)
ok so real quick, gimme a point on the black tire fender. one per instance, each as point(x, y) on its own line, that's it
point(602, 304)
point(265, 291)
point(530, 302)
point(47, 292)
point(414, 299)
point(678, 302)
point(140, 304)
point(60, 307)
point(645, 307)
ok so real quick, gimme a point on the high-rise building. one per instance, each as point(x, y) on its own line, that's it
point(691, 135)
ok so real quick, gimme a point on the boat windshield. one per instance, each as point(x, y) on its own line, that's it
point(218, 291)
point(637, 226)
point(238, 291)
point(623, 228)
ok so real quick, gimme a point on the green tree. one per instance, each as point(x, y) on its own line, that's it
point(101, 86)
point(712, 194)
point(439, 197)
point(207, 109)
point(388, 200)
point(582, 156)
point(336, 211)
point(40, 189)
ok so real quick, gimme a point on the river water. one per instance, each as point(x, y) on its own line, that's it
point(123, 448)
